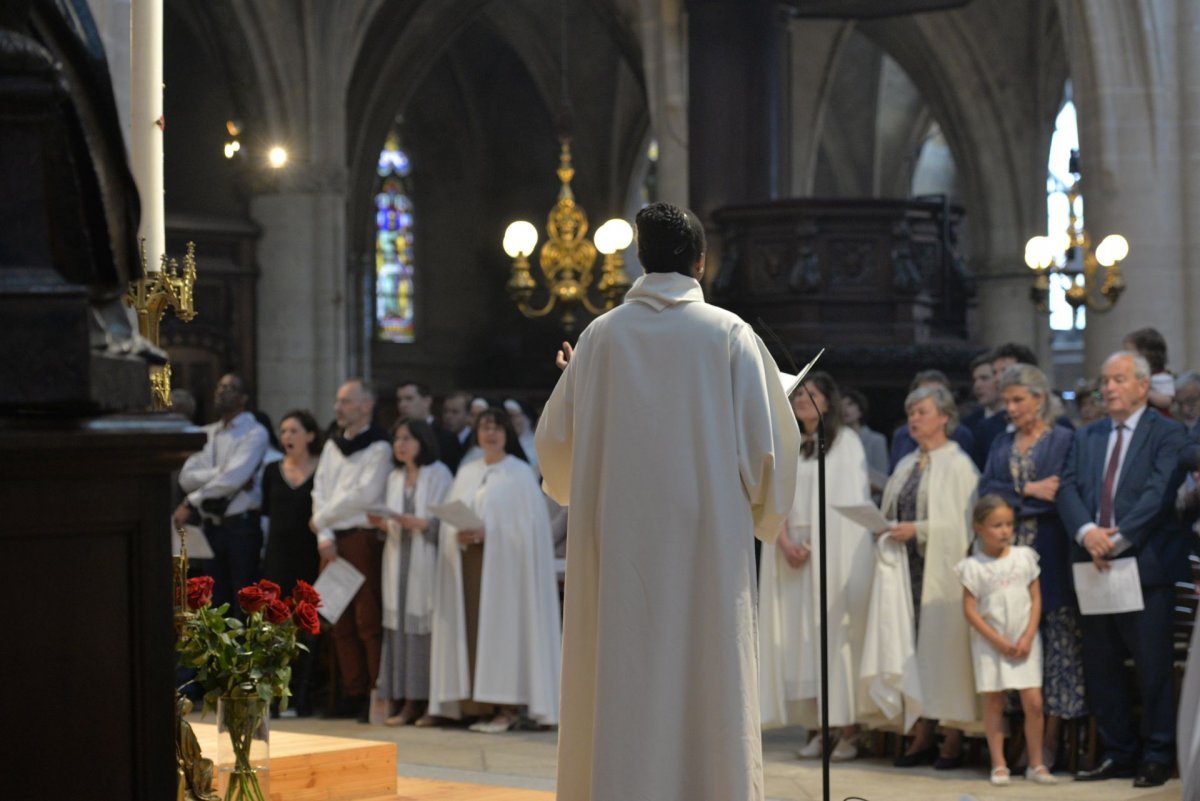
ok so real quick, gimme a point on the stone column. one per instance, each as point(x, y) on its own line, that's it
point(660, 29)
point(733, 102)
point(302, 304)
point(1135, 74)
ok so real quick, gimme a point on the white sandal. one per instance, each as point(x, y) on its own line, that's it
point(1040, 774)
point(1001, 777)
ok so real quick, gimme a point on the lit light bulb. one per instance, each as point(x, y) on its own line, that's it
point(277, 157)
point(519, 239)
point(613, 236)
point(1113, 248)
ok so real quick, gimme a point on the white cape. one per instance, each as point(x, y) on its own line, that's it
point(944, 663)
point(889, 662)
point(789, 599)
point(670, 438)
point(518, 645)
point(433, 482)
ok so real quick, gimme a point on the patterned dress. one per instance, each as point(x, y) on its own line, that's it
point(906, 512)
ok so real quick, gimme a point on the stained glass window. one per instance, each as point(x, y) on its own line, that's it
point(394, 245)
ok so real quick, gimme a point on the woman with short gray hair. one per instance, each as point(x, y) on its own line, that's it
point(1023, 467)
point(931, 494)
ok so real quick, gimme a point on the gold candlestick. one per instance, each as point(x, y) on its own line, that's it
point(150, 296)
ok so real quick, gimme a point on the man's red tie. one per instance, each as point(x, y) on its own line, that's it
point(1110, 478)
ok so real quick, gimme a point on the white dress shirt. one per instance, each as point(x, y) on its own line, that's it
point(1120, 544)
point(345, 487)
point(227, 465)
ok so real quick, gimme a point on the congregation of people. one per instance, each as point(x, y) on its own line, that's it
point(962, 610)
point(958, 614)
point(448, 624)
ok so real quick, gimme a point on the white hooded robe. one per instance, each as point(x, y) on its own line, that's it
point(670, 438)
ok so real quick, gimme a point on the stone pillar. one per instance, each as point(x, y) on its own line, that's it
point(660, 29)
point(302, 303)
point(1135, 91)
point(733, 102)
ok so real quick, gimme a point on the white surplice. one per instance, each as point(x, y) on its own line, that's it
point(890, 682)
point(671, 440)
point(943, 645)
point(433, 482)
point(518, 643)
point(789, 599)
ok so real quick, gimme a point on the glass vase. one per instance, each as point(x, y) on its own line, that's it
point(243, 749)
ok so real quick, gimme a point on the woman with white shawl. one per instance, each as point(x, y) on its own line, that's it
point(789, 599)
point(931, 495)
point(496, 629)
point(410, 568)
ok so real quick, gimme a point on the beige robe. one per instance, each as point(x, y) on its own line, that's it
point(943, 535)
point(789, 599)
point(671, 439)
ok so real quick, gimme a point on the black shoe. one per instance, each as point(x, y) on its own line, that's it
point(948, 763)
point(1107, 769)
point(349, 707)
point(1152, 774)
point(364, 712)
point(922, 757)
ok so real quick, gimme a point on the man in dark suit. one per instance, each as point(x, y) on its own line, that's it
point(1116, 500)
point(415, 401)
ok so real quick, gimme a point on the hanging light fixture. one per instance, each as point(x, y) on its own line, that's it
point(1069, 253)
point(567, 260)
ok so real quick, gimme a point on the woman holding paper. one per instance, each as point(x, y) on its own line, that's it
point(1023, 468)
point(496, 628)
point(789, 600)
point(409, 568)
point(931, 495)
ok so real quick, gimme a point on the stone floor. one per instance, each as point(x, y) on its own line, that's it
point(526, 760)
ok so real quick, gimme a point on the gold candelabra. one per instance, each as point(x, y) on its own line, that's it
point(1060, 254)
point(150, 296)
point(567, 259)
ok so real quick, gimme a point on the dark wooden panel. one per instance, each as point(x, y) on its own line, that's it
point(88, 668)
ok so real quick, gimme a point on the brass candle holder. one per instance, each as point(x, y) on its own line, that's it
point(150, 297)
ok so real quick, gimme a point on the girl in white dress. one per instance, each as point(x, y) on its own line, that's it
point(1002, 600)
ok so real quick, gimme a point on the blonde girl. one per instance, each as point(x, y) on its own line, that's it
point(1002, 600)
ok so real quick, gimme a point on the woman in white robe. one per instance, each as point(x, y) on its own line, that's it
point(932, 493)
point(409, 568)
point(496, 646)
point(789, 588)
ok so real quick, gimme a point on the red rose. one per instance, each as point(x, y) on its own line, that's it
point(277, 612)
point(271, 589)
point(252, 598)
point(305, 592)
point(199, 591)
point(306, 618)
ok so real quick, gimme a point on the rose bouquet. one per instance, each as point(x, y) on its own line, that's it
point(243, 666)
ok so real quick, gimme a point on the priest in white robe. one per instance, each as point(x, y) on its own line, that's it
point(789, 589)
point(670, 438)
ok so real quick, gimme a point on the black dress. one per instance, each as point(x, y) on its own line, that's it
point(291, 545)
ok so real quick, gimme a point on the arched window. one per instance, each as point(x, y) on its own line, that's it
point(394, 245)
point(1058, 180)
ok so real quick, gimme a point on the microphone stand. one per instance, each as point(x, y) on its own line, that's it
point(822, 566)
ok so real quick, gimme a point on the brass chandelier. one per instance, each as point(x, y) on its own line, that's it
point(1070, 254)
point(567, 260)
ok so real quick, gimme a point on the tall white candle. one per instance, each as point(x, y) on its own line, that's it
point(146, 133)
